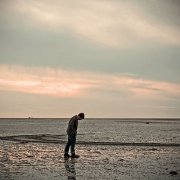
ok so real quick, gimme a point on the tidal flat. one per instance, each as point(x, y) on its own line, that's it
point(27, 160)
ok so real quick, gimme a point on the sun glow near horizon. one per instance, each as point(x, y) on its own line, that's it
point(68, 83)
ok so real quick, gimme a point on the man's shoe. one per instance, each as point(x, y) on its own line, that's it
point(66, 156)
point(75, 156)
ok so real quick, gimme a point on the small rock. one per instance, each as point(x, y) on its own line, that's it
point(121, 160)
point(154, 149)
point(29, 156)
point(147, 122)
point(173, 173)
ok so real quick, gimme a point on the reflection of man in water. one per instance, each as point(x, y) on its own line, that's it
point(70, 168)
point(72, 133)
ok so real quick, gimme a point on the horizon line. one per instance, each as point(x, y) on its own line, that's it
point(122, 118)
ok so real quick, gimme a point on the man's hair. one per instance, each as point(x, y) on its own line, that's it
point(81, 115)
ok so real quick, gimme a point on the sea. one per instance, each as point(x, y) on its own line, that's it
point(98, 129)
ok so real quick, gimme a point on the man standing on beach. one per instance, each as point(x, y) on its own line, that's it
point(72, 133)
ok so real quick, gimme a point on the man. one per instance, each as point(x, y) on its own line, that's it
point(72, 133)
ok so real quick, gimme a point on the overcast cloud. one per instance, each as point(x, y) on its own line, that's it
point(104, 57)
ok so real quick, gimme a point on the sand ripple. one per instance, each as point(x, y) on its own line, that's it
point(61, 139)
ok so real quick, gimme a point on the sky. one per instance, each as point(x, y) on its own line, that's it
point(106, 58)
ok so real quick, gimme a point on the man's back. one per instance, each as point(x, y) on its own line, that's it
point(73, 125)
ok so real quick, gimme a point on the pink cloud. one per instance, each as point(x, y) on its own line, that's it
point(145, 88)
point(39, 81)
point(66, 83)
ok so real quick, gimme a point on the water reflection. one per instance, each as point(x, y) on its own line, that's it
point(70, 168)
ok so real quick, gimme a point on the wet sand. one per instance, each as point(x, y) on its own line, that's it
point(41, 157)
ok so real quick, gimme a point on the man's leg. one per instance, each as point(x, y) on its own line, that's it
point(66, 155)
point(73, 143)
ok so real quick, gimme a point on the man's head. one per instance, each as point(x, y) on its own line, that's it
point(81, 116)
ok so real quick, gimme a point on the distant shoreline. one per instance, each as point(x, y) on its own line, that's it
point(120, 119)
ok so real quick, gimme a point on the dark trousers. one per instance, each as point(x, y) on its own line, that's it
point(71, 143)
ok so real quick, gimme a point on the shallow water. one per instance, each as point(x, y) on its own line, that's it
point(33, 149)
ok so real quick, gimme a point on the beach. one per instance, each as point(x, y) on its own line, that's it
point(33, 155)
point(107, 71)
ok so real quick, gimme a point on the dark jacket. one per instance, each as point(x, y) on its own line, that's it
point(73, 125)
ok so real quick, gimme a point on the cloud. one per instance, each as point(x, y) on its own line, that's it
point(72, 84)
point(107, 23)
point(39, 81)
